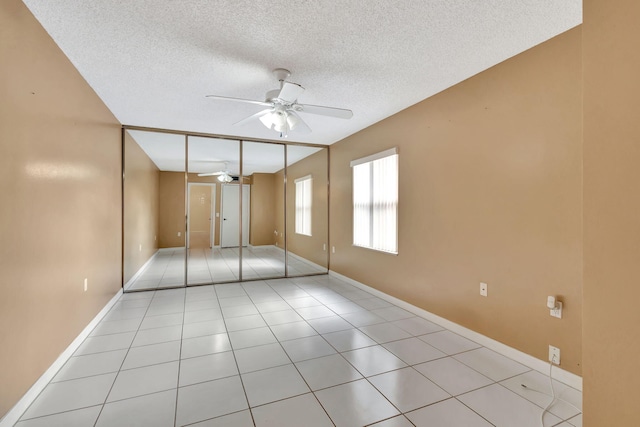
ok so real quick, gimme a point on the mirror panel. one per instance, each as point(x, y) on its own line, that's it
point(262, 166)
point(153, 211)
point(213, 207)
point(307, 210)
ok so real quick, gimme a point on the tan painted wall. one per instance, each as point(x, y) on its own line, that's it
point(171, 215)
point(263, 209)
point(309, 247)
point(611, 310)
point(141, 186)
point(490, 190)
point(200, 215)
point(60, 215)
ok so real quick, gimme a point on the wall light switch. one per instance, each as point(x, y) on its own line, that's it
point(179, 234)
point(333, 249)
point(324, 246)
point(86, 284)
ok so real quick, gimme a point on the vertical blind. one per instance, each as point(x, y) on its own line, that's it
point(375, 201)
point(303, 205)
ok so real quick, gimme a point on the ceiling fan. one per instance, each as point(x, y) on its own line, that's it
point(282, 109)
point(223, 175)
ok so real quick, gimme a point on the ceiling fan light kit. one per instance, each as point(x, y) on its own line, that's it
point(281, 114)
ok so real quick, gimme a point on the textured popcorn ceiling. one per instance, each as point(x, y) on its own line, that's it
point(152, 62)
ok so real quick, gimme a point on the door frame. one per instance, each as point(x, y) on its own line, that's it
point(212, 219)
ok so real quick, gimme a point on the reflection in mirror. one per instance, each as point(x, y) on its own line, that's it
point(307, 210)
point(153, 211)
point(261, 257)
point(213, 210)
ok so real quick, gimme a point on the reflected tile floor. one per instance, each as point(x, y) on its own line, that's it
point(310, 351)
point(166, 269)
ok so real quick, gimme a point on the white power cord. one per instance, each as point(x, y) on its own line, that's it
point(553, 393)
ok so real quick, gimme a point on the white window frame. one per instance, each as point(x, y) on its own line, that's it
point(375, 201)
point(303, 203)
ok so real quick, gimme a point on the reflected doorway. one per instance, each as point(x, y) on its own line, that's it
point(202, 199)
point(230, 221)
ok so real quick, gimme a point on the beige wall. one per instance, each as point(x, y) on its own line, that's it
point(490, 190)
point(171, 215)
point(141, 186)
point(60, 217)
point(611, 221)
point(309, 247)
point(263, 209)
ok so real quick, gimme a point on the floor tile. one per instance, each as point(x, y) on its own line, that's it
point(307, 348)
point(576, 421)
point(239, 311)
point(294, 412)
point(504, 408)
point(303, 302)
point(399, 421)
point(407, 389)
point(235, 301)
point(116, 327)
point(270, 385)
point(449, 413)
point(150, 322)
point(327, 371)
point(251, 338)
point(208, 344)
point(362, 318)
point(538, 391)
point(280, 317)
point(491, 364)
point(417, 326)
point(208, 400)
point(373, 303)
point(345, 307)
point(157, 410)
point(271, 306)
point(238, 419)
point(199, 329)
point(102, 343)
point(356, 403)
point(145, 380)
point(392, 313)
point(373, 360)
point(207, 304)
point(385, 332)
point(125, 313)
point(413, 350)
point(70, 395)
point(290, 331)
point(453, 376)
point(245, 322)
point(91, 364)
point(152, 354)
point(78, 418)
point(261, 357)
point(449, 342)
point(158, 335)
point(206, 368)
point(314, 312)
point(350, 339)
point(202, 316)
point(325, 325)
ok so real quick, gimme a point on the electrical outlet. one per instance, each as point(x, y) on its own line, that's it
point(557, 312)
point(554, 355)
point(484, 289)
point(333, 249)
point(324, 246)
point(179, 234)
point(140, 248)
point(86, 284)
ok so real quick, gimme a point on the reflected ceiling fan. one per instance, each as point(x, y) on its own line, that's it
point(282, 109)
point(223, 175)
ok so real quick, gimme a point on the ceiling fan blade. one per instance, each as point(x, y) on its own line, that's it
point(297, 124)
point(290, 92)
point(211, 173)
point(253, 116)
point(246, 101)
point(340, 113)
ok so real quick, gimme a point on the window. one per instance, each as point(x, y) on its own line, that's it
point(303, 205)
point(375, 201)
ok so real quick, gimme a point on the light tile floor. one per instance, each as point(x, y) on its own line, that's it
point(311, 351)
point(217, 265)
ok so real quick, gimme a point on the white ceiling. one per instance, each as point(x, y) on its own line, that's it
point(152, 62)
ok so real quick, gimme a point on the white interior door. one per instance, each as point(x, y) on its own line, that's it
point(230, 221)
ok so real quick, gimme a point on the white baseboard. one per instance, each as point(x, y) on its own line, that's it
point(140, 271)
point(559, 374)
point(27, 399)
